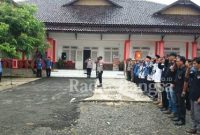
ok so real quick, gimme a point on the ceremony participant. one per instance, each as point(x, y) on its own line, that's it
point(194, 95)
point(49, 65)
point(1, 69)
point(39, 67)
point(157, 72)
point(100, 65)
point(180, 91)
point(89, 63)
point(169, 77)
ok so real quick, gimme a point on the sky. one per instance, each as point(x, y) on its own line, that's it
point(159, 1)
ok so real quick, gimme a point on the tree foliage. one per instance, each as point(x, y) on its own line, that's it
point(20, 31)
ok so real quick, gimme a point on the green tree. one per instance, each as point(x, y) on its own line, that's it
point(20, 31)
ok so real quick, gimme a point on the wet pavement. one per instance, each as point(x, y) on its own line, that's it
point(50, 107)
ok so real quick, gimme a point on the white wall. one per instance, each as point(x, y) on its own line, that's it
point(117, 40)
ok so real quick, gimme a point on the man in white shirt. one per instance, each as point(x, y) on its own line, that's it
point(89, 63)
point(157, 79)
point(100, 70)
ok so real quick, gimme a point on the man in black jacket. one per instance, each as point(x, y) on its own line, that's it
point(178, 87)
point(169, 76)
point(195, 100)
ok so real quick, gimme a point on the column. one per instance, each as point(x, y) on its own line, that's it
point(161, 48)
point(157, 48)
point(126, 49)
point(194, 49)
point(51, 51)
point(187, 50)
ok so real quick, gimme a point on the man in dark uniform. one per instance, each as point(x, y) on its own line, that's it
point(195, 99)
point(178, 87)
point(49, 65)
point(168, 80)
point(39, 67)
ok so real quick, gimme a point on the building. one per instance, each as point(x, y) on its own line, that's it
point(119, 28)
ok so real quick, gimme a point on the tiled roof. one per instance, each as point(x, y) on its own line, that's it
point(133, 13)
point(74, 1)
point(186, 3)
point(124, 29)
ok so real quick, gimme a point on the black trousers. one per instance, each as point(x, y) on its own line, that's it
point(181, 107)
point(39, 73)
point(0, 76)
point(188, 102)
point(89, 70)
point(143, 84)
point(100, 77)
point(136, 80)
point(48, 72)
point(164, 99)
point(128, 73)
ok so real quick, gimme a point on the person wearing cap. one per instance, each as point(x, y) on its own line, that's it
point(194, 95)
point(179, 89)
point(1, 69)
point(49, 65)
point(89, 63)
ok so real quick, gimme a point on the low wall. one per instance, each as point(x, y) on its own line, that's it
point(20, 72)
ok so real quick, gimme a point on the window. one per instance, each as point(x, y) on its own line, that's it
point(168, 50)
point(144, 51)
point(110, 53)
point(70, 52)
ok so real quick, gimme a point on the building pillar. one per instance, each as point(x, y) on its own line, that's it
point(187, 50)
point(194, 49)
point(127, 49)
point(156, 48)
point(51, 51)
point(160, 48)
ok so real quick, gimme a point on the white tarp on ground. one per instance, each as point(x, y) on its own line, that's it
point(81, 74)
point(118, 90)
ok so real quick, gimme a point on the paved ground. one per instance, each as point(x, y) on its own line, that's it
point(81, 73)
point(49, 107)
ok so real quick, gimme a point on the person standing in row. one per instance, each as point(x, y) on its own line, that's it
point(49, 65)
point(89, 63)
point(194, 95)
point(180, 91)
point(128, 69)
point(1, 69)
point(169, 78)
point(39, 67)
point(100, 70)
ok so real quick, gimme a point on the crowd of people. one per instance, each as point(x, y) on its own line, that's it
point(173, 83)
